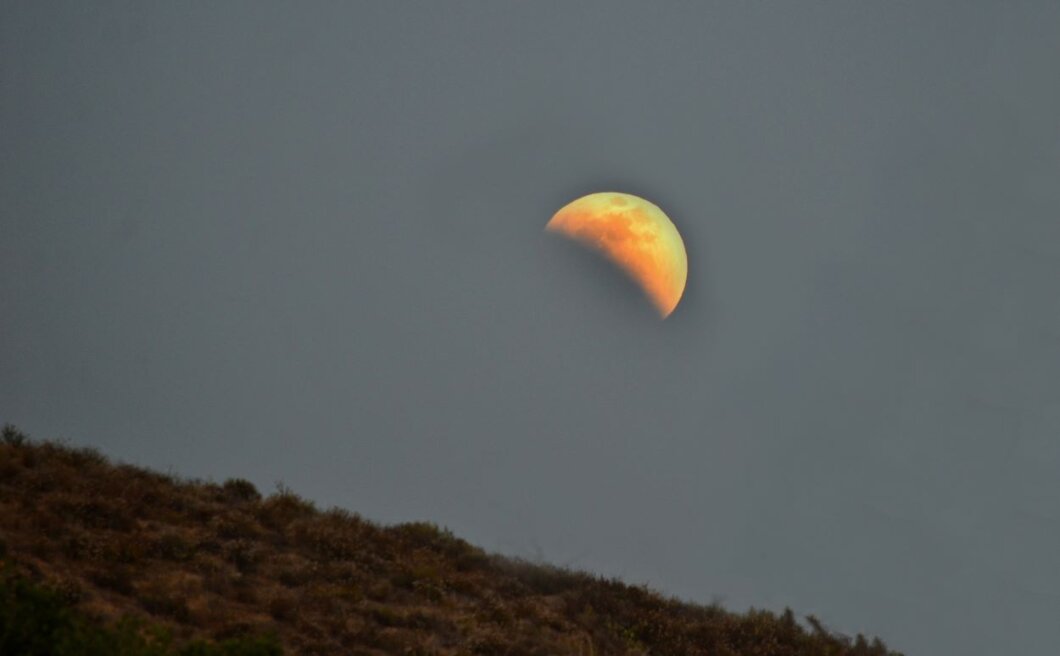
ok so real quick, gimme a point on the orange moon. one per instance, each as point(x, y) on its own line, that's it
point(634, 234)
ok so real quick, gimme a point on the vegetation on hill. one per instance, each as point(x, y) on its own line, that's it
point(38, 621)
point(115, 554)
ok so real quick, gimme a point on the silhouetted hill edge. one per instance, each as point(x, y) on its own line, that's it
point(218, 566)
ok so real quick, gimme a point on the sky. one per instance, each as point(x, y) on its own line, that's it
point(304, 243)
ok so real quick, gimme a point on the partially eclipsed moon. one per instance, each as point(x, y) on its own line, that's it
point(634, 234)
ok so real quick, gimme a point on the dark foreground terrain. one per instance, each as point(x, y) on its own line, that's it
point(104, 558)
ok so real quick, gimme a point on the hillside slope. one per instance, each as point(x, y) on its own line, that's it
point(217, 561)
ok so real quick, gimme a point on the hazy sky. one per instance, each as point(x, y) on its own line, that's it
point(303, 242)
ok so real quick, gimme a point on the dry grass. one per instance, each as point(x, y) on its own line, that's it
point(219, 560)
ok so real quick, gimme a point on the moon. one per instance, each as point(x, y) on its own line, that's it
point(635, 235)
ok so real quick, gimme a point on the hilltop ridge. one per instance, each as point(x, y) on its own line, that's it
point(216, 561)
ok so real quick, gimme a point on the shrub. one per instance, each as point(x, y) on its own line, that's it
point(13, 436)
point(282, 508)
point(255, 646)
point(283, 607)
point(167, 605)
point(107, 514)
point(117, 578)
point(38, 621)
point(240, 489)
point(541, 578)
point(245, 555)
point(328, 540)
point(234, 526)
point(171, 545)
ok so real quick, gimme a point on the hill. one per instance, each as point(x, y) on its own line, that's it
point(214, 562)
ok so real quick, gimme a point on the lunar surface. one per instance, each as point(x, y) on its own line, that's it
point(634, 234)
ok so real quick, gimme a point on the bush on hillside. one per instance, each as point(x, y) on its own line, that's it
point(38, 621)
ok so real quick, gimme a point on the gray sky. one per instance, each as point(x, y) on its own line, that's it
point(304, 242)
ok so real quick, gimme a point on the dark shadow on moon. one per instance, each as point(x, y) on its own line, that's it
point(591, 273)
